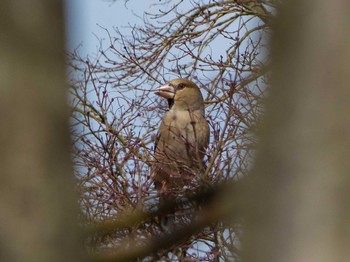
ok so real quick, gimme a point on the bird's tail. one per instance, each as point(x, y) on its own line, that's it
point(167, 216)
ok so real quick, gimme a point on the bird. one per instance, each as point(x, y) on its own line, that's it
point(182, 138)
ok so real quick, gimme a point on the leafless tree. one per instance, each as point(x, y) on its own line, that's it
point(220, 45)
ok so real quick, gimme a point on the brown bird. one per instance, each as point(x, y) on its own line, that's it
point(182, 138)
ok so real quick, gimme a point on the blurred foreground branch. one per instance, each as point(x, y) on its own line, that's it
point(299, 196)
point(38, 218)
point(214, 208)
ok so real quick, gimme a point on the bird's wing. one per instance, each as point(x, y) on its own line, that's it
point(156, 142)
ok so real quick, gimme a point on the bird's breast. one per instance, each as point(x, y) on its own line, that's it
point(183, 133)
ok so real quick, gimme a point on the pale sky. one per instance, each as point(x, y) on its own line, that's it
point(84, 19)
point(84, 16)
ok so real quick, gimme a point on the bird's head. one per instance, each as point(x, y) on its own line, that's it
point(182, 94)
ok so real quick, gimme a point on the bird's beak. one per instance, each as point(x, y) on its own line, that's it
point(166, 91)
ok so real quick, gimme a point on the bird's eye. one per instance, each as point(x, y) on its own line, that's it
point(181, 86)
